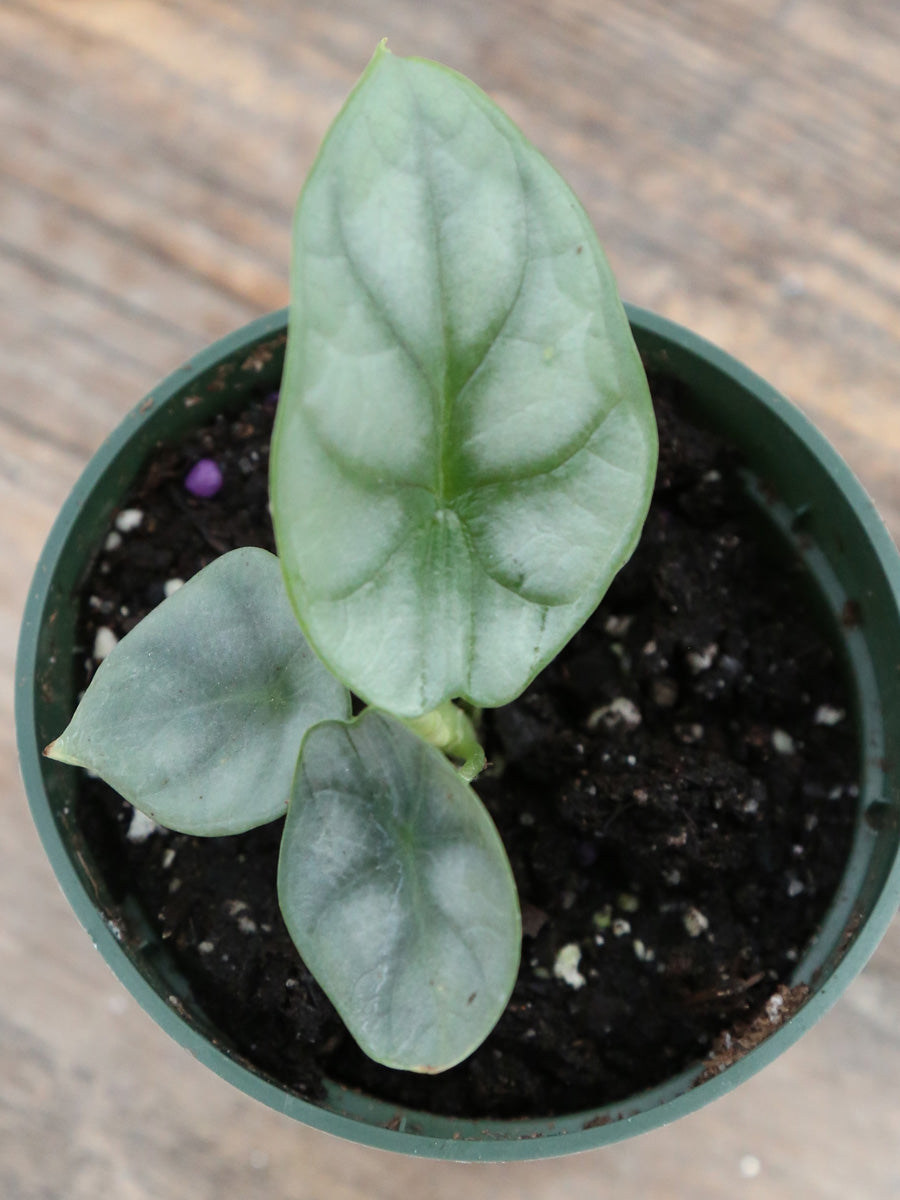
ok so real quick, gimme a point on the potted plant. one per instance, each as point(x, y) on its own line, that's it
point(442, 541)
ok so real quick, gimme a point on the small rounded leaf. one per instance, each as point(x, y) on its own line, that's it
point(196, 717)
point(397, 891)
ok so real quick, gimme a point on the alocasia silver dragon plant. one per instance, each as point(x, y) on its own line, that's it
point(462, 460)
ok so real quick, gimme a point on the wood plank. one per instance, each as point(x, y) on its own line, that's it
point(740, 159)
point(58, 241)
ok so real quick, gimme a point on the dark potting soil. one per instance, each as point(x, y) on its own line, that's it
point(676, 793)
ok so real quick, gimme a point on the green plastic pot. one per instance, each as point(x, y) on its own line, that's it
point(820, 507)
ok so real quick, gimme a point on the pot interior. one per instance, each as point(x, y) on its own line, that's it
point(806, 497)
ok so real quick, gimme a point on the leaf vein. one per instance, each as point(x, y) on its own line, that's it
point(378, 309)
point(543, 468)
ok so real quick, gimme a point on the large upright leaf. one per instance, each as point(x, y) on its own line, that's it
point(197, 715)
point(465, 445)
point(396, 889)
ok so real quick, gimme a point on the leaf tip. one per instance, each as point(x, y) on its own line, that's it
point(382, 51)
point(57, 750)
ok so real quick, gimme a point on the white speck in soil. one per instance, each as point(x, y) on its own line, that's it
point(290, 983)
point(233, 907)
point(631, 760)
point(619, 713)
point(113, 540)
point(104, 643)
point(171, 586)
point(620, 927)
point(206, 947)
point(782, 742)
point(129, 519)
point(649, 648)
point(701, 660)
point(174, 885)
point(826, 714)
point(695, 922)
point(774, 1005)
point(795, 888)
point(599, 939)
point(617, 626)
point(673, 877)
point(643, 953)
point(168, 858)
point(566, 966)
point(140, 827)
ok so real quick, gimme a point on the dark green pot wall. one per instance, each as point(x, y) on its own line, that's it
point(819, 505)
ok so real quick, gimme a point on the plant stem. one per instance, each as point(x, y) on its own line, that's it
point(450, 730)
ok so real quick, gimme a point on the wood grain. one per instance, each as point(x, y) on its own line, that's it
point(741, 161)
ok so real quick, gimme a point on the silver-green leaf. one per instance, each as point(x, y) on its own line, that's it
point(196, 717)
point(465, 445)
point(397, 891)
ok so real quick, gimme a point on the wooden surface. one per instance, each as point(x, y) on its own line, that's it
point(740, 159)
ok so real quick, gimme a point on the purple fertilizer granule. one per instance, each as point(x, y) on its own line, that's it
point(204, 478)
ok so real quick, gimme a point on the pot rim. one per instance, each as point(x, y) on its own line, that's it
point(463, 1140)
